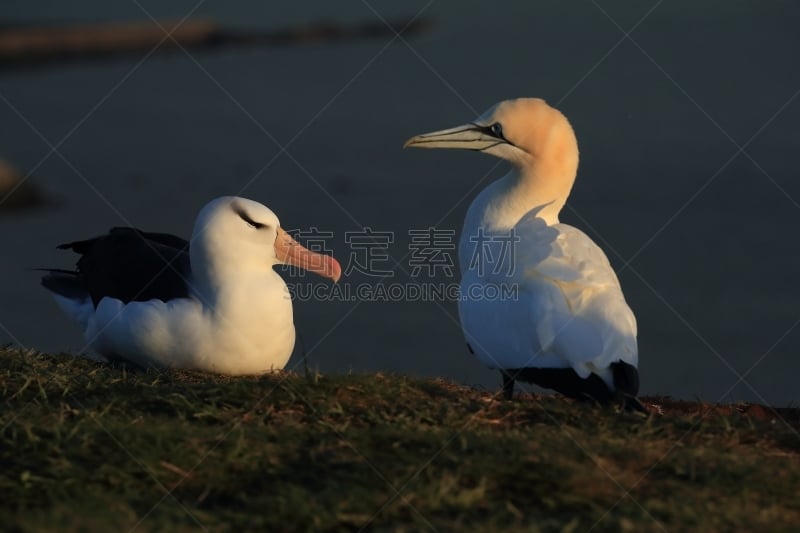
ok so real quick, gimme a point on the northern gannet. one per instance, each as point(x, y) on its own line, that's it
point(153, 300)
point(569, 327)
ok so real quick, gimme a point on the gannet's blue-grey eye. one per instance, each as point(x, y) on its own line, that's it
point(497, 130)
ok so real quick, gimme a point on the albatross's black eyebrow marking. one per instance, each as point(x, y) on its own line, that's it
point(244, 216)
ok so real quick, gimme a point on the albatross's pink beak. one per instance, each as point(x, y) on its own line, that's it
point(291, 252)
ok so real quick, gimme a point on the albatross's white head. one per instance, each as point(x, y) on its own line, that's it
point(534, 137)
point(233, 236)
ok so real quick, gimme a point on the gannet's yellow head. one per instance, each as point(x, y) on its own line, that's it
point(526, 131)
point(536, 138)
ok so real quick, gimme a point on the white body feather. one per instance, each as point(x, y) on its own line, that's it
point(568, 309)
point(239, 334)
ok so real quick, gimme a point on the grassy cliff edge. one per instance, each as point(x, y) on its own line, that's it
point(91, 446)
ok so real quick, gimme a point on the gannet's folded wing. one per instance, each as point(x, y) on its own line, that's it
point(578, 312)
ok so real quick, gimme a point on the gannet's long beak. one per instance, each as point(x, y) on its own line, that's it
point(465, 137)
point(291, 252)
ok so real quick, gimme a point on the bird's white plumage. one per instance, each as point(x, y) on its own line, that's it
point(246, 330)
point(568, 310)
point(237, 318)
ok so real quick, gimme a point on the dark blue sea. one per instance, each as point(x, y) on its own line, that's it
point(687, 116)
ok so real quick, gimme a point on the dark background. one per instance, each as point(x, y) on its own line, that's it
point(661, 115)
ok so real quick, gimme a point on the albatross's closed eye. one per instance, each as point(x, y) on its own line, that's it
point(250, 222)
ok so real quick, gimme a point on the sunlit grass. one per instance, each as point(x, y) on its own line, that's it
point(86, 446)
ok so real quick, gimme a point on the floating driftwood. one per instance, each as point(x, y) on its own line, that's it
point(39, 44)
point(15, 191)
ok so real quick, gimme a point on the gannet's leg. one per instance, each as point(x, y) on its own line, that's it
point(632, 404)
point(508, 385)
point(626, 385)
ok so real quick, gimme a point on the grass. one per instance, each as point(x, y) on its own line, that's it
point(86, 446)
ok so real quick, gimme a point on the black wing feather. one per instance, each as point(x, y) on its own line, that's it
point(567, 382)
point(133, 265)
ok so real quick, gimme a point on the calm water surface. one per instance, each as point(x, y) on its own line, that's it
point(703, 236)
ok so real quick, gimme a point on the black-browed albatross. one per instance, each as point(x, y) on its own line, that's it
point(215, 305)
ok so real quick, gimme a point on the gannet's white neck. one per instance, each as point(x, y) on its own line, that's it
point(545, 184)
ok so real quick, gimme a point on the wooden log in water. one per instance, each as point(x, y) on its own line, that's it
point(37, 44)
point(15, 191)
